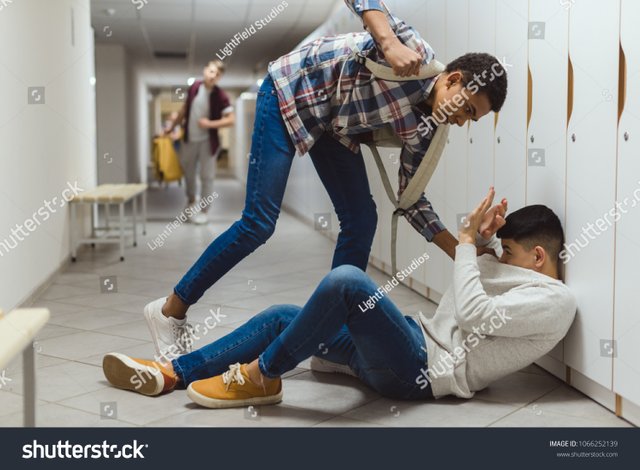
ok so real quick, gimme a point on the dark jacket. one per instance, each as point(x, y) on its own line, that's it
point(218, 101)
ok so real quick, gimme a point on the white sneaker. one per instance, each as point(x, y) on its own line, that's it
point(200, 218)
point(171, 337)
point(322, 365)
point(189, 212)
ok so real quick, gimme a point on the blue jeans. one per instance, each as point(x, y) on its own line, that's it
point(384, 348)
point(341, 171)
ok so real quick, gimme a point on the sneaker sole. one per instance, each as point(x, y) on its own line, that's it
point(125, 373)
point(215, 403)
point(321, 365)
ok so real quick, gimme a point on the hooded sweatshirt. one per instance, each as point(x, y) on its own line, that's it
point(494, 320)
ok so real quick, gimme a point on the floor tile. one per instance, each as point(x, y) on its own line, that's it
point(444, 412)
point(65, 380)
point(54, 415)
point(85, 344)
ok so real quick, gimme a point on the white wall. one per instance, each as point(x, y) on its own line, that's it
point(45, 146)
point(111, 110)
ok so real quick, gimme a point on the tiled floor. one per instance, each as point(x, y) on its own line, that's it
point(86, 323)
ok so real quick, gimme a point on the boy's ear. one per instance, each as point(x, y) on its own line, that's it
point(454, 77)
point(541, 255)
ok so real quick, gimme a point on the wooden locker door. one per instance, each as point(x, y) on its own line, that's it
point(455, 153)
point(481, 134)
point(626, 371)
point(510, 150)
point(435, 35)
point(547, 130)
point(591, 173)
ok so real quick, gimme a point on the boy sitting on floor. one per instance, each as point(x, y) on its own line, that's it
point(499, 316)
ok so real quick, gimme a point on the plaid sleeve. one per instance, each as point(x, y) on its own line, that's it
point(420, 215)
point(405, 33)
point(360, 6)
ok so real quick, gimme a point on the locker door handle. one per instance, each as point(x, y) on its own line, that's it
point(622, 82)
point(569, 91)
point(529, 95)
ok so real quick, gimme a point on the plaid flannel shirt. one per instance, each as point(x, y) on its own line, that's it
point(323, 87)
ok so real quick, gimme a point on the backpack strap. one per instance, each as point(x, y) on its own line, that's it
point(416, 186)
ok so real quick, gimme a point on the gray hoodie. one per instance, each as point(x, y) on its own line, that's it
point(494, 320)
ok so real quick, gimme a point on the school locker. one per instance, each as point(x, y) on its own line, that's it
point(377, 191)
point(547, 129)
point(455, 152)
point(439, 263)
point(590, 184)
point(482, 38)
point(626, 349)
point(385, 208)
point(511, 49)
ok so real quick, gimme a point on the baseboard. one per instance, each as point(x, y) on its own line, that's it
point(593, 390)
point(37, 291)
point(553, 366)
point(630, 411)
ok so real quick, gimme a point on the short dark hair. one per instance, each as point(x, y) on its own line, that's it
point(477, 63)
point(535, 225)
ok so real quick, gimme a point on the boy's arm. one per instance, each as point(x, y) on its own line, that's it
point(227, 120)
point(403, 60)
point(425, 220)
point(446, 242)
point(178, 120)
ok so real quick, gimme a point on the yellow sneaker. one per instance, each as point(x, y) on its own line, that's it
point(234, 389)
point(139, 375)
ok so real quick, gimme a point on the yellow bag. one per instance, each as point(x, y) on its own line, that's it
point(165, 160)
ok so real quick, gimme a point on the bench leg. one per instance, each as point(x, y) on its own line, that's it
point(72, 230)
point(93, 222)
point(135, 223)
point(121, 216)
point(144, 212)
point(29, 385)
point(106, 215)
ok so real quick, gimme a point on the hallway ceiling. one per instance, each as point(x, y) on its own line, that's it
point(200, 28)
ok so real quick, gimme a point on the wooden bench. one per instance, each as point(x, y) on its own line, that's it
point(108, 194)
point(17, 332)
